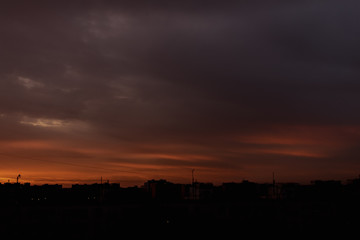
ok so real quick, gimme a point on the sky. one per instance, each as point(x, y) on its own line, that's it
point(129, 91)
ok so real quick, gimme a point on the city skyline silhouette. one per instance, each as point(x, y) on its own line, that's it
point(179, 116)
point(95, 210)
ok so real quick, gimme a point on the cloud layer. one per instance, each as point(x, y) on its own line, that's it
point(236, 90)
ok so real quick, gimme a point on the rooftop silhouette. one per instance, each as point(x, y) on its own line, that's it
point(161, 204)
point(165, 191)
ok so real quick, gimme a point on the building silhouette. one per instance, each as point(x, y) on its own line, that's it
point(102, 208)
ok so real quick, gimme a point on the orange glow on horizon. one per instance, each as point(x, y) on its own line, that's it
point(68, 162)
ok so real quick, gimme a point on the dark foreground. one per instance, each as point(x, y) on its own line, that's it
point(271, 218)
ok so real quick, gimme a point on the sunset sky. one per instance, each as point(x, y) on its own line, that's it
point(137, 90)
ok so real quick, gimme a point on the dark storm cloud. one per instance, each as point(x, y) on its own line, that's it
point(180, 71)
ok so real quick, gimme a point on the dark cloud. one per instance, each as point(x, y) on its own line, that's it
point(179, 72)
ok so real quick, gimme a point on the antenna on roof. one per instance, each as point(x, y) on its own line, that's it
point(193, 184)
point(274, 185)
point(17, 178)
point(273, 178)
